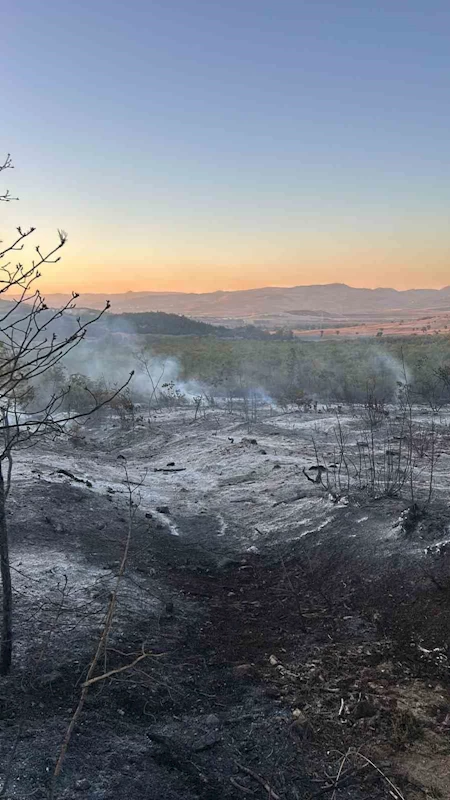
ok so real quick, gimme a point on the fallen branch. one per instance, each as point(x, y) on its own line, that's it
point(175, 469)
point(397, 793)
point(69, 475)
point(343, 778)
point(339, 781)
point(116, 671)
point(261, 781)
point(240, 787)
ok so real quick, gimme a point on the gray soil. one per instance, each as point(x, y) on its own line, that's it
point(291, 636)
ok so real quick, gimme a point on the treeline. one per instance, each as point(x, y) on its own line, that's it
point(162, 324)
point(286, 372)
point(344, 371)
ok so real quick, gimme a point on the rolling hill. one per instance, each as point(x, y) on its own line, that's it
point(336, 299)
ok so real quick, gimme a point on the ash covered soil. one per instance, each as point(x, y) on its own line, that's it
point(296, 643)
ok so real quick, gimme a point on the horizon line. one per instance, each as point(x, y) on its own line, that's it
point(253, 289)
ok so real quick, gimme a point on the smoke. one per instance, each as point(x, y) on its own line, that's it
point(389, 373)
point(110, 352)
point(385, 362)
point(111, 362)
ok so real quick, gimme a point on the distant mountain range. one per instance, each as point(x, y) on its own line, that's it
point(334, 298)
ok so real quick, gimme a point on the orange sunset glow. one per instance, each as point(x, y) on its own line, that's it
point(400, 269)
point(278, 158)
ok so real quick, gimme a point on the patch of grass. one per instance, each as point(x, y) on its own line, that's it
point(405, 728)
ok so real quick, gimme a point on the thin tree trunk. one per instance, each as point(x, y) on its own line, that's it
point(6, 634)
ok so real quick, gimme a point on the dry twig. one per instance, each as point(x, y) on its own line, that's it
point(100, 648)
point(261, 781)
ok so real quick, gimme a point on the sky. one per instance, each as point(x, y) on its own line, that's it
point(195, 145)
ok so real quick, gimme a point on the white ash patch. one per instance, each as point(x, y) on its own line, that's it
point(246, 479)
point(320, 424)
point(62, 598)
point(319, 527)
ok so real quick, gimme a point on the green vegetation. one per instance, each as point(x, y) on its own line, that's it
point(159, 323)
point(338, 370)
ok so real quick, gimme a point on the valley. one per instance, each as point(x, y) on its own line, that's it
point(293, 634)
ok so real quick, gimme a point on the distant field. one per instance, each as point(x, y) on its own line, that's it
point(424, 325)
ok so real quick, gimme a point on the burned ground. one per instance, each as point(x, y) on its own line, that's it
point(289, 635)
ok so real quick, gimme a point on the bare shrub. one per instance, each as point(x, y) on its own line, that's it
point(33, 343)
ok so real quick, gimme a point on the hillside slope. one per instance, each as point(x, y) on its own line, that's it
point(334, 298)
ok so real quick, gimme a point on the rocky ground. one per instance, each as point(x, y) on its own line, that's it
point(295, 639)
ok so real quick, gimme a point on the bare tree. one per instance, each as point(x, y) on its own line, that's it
point(146, 363)
point(33, 340)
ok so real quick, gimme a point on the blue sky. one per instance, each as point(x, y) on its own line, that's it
point(203, 145)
